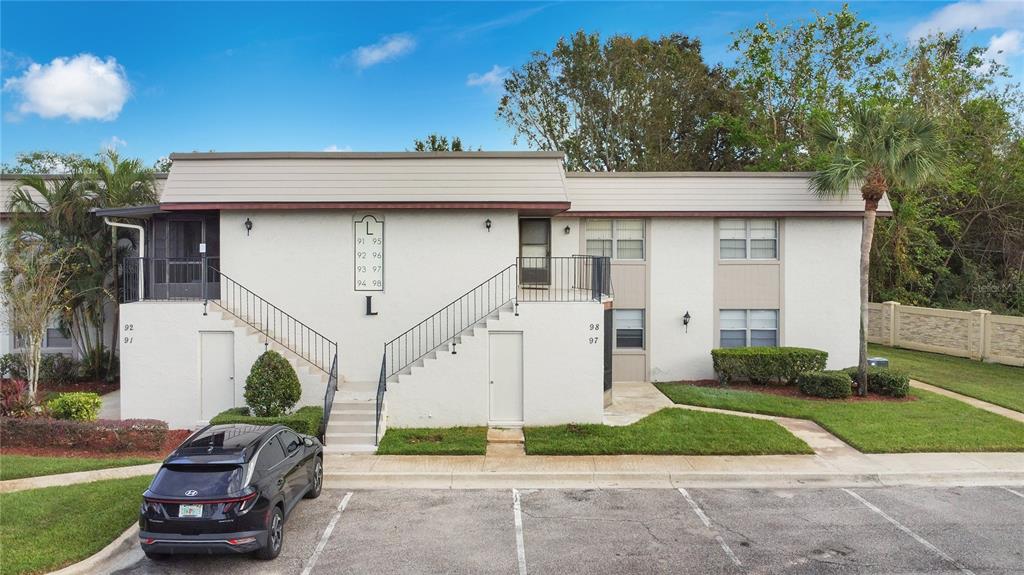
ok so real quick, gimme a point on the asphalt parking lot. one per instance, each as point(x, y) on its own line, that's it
point(707, 531)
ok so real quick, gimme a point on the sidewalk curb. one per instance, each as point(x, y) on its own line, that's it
point(110, 558)
point(61, 479)
point(660, 480)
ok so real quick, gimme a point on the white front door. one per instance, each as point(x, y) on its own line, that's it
point(217, 362)
point(506, 377)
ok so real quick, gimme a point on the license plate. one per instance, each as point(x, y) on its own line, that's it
point(191, 510)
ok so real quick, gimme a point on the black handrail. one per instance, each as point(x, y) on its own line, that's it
point(276, 324)
point(332, 386)
point(382, 387)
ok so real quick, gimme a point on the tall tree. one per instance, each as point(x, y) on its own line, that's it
point(626, 104)
point(791, 72)
point(876, 150)
point(437, 143)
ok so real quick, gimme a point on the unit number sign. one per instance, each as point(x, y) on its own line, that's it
point(369, 254)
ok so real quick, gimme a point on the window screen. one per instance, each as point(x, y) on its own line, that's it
point(753, 328)
point(748, 239)
point(599, 238)
point(733, 239)
point(629, 239)
point(629, 328)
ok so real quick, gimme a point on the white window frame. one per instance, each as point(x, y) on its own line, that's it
point(615, 237)
point(746, 326)
point(643, 329)
point(746, 245)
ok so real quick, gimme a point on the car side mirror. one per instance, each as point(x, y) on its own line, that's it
point(307, 441)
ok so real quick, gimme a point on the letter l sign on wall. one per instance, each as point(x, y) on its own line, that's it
point(369, 254)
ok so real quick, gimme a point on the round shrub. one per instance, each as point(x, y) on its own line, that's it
point(273, 387)
point(78, 406)
point(827, 384)
point(883, 381)
point(58, 369)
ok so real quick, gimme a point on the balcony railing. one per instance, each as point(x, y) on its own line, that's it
point(167, 279)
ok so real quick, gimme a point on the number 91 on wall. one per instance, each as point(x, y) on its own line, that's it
point(369, 254)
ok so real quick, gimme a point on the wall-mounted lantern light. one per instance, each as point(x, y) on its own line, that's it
point(567, 230)
point(248, 226)
point(686, 321)
point(487, 224)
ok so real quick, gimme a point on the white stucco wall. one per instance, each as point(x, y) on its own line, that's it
point(682, 260)
point(5, 328)
point(160, 362)
point(822, 287)
point(564, 245)
point(302, 262)
point(562, 372)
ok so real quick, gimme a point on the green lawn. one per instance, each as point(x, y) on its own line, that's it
point(434, 441)
point(45, 529)
point(667, 432)
point(932, 423)
point(18, 466)
point(999, 384)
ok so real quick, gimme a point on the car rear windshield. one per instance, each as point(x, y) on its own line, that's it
point(206, 480)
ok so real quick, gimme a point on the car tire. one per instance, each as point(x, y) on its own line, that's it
point(275, 536)
point(155, 556)
point(318, 479)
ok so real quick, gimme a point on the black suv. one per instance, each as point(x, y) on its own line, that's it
point(229, 489)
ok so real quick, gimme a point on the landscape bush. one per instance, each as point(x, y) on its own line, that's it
point(11, 366)
point(826, 384)
point(305, 420)
point(78, 405)
point(100, 435)
point(765, 364)
point(884, 381)
point(273, 387)
point(57, 369)
point(15, 400)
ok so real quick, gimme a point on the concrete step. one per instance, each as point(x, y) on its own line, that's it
point(352, 415)
point(350, 437)
point(350, 448)
point(351, 427)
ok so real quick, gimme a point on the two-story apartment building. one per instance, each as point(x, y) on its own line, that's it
point(476, 288)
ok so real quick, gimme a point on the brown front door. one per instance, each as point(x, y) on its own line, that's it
point(535, 252)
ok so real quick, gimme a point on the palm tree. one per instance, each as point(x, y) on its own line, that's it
point(877, 151)
point(117, 183)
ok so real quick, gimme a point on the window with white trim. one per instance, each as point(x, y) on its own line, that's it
point(748, 327)
point(756, 239)
point(629, 328)
point(616, 239)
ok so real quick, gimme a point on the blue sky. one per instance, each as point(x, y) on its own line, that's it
point(155, 78)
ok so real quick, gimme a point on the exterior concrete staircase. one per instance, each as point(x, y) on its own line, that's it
point(353, 417)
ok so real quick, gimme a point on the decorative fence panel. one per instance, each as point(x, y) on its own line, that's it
point(976, 334)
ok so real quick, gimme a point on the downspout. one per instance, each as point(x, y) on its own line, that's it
point(142, 251)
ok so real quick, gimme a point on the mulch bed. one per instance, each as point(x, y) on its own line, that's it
point(794, 391)
point(174, 438)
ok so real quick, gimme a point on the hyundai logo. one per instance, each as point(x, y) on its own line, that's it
point(191, 493)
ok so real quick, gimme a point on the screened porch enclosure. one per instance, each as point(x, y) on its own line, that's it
point(176, 267)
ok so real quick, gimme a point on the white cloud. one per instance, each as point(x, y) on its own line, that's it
point(1007, 44)
point(113, 143)
point(982, 15)
point(335, 148)
point(490, 79)
point(82, 88)
point(387, 49)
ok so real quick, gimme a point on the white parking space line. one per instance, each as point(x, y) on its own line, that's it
point(517, 509)
point(327, 535)
point(1015, 492)
point(907, 530)
point(707, 523)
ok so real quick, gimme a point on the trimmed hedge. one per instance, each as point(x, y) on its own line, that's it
point(827, 384)
point(100, 435)
point(78, 405)
point(883, 381)
point(764, 364)
point(305, 420)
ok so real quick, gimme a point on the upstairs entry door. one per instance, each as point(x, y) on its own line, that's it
point(535, 252)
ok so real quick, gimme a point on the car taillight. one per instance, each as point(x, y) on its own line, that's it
point(246, 503)
point(241, 541)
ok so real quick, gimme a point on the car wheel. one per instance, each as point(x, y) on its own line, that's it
point(275, 536)
point(318, 479)
point(156, 556)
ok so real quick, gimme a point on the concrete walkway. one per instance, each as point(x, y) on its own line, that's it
point(634, 401)
point(110, 408)
point(78, 477)
point(990, 407)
